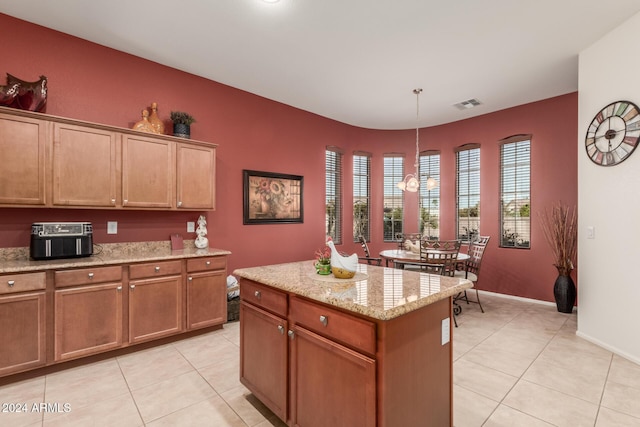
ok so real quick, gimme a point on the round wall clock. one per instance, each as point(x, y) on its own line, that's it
point(613, 133)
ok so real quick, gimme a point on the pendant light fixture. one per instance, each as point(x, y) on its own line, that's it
point(411, 182)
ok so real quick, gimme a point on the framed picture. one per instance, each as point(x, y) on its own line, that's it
point(272, 198)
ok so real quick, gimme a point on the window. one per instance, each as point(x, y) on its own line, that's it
point(361, 195)
point(393, 196)
point(333, 198)
point(429, 221)
point(515, 191)
point(468, 191)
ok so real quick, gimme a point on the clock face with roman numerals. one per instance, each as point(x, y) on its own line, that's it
point(613, 134)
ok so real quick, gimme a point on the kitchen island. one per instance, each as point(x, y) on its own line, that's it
point(374, 350)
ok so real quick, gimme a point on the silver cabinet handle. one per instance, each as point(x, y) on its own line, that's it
point(257, 294)
point(90, 275)
point(290, 333)
point(324, 320)
point(113, 201)
point(132, 286)
point(208, 263)
point(125, 201)
point(157, 269)
point(190, 279)
point(119, 288)
point(281, 329)
point(179, 204)
point(11, 283)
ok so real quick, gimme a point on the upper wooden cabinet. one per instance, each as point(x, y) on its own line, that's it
point(97, 166)
point(22, 150)
point(84, 166)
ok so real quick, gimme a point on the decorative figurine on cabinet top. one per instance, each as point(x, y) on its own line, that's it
point(144, 125)
point(158, 126)
point(201, 241)
point(30, 96)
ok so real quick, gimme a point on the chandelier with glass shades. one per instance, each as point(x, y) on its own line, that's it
point(411, 182)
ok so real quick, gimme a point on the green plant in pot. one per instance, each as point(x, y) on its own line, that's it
point(182, 124)
point(323, 261)
point(560, 228)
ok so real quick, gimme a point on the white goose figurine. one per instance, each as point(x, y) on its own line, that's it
point(342, 267)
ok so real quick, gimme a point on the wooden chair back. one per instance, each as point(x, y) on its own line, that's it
point(439, 256)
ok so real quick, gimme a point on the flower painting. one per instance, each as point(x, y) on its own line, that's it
point(272, 198)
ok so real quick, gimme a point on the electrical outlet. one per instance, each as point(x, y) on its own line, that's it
point(191, 227)
point(112, 227)
point(591, 232)
point(446, 330)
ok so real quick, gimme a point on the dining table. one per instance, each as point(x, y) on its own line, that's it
point(399, 257)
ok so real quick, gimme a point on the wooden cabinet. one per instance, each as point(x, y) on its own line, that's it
point(155, 300)
point(264, 346)
point(22, 316)
point(323, 359)
point(85, 166)
point(206, 292)
point(88, 312)
point(23, 144)
point(56, 162)
point(195, 176)
point(148, 171)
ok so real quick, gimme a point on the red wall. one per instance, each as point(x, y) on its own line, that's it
point(93, 83)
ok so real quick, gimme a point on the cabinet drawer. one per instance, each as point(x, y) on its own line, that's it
point(341, 327)
point(154, 269)
point(12, 283)
point(264, 296)
point(85, 276)
point(206, 263)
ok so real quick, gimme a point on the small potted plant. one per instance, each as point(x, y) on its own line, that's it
point(323, 261)
point(182, 124)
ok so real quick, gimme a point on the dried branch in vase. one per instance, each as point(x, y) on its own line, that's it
point(559, 225)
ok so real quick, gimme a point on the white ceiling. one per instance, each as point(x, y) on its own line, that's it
point(355, 61)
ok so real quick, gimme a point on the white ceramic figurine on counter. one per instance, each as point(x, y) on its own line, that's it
point(201, 241)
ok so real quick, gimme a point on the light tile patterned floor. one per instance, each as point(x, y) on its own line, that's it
point(518, 364)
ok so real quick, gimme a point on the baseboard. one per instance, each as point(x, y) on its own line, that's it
point(606, 346)
point(522, 299)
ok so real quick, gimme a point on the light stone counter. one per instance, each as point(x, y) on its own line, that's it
point(377, 292)
point(16, 260)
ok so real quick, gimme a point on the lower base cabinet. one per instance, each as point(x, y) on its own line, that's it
point(88, 320)
point(206, 292)
point(155, 308)
point(22, 333)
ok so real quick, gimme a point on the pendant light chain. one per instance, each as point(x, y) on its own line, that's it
point(417, 92)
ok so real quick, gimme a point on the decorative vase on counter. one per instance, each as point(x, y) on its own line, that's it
point(564, 291)
point(324, 269)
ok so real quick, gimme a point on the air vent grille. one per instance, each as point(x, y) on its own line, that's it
point(465, 105)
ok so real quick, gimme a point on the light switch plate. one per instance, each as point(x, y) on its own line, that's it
point(591, 232)
point(112, 227)
point(446, 330)
point(191, 227)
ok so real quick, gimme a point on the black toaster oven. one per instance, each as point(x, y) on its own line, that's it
point(51, 240)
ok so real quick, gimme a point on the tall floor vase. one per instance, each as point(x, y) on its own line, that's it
point(564, 291)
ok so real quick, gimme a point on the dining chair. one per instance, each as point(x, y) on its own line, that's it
point(367, 255)
point(471, 269)
point(439, 256)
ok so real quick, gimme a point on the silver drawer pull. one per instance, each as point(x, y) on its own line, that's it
point(119, 288)
point(90, 275)
point(290, 333)
point(157, 269)
point(281, 329)
point(11, 283)
point(132, 286)
point(258, 294)
point(208, 263)
point(324, 320)
point(190, 279)
point(179, 204)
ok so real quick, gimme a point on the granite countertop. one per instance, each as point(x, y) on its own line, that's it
point(16, 260)
point(378, 292)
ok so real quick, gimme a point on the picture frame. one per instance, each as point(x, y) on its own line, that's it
point(272, 198)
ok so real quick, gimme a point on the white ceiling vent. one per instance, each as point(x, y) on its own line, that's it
point(465, 105)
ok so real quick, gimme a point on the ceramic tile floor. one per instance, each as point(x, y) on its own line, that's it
point(518, 364)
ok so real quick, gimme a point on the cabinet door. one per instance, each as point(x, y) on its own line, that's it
point(196, 174)
point(84, 166)
point(88, 320)
point(155, 308)
point(148, 172)
point(206, 299)
point(22, 333)
point(22, 152)
point(330, 384)
point(263, 357)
